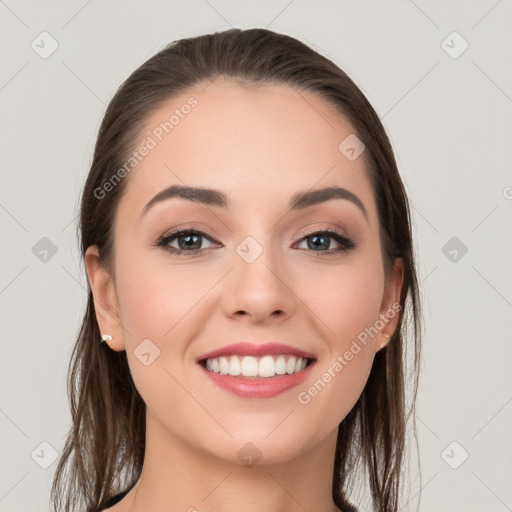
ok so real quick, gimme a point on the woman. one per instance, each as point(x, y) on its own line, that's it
point(247, 242)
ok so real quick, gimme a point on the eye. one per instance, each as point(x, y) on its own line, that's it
point(321, 240)
point(188, 240)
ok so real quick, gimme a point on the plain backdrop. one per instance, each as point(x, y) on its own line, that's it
point(439, 75)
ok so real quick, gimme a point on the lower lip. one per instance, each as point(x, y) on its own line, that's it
point(264, 387)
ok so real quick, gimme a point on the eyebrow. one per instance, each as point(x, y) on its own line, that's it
point(211, 197)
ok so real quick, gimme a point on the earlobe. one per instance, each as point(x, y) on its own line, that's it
point(105, 301)
point(387, 337)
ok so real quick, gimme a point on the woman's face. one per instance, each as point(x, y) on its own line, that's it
point(261, 274)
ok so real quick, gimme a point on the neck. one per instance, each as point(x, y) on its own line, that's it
point(178, 476)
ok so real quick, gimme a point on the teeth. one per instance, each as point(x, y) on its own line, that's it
point(266, 367)
point(280, 365)
point(290, 365)
point(235, 367)
point(223, 366)
point(249, 366)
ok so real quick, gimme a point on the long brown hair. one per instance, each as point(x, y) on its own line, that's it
point(104, 449)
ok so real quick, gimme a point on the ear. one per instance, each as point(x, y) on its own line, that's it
point(105, 300)
point(390, 309)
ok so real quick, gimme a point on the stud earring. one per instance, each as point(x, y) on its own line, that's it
point(105, 338)
point(384, 343)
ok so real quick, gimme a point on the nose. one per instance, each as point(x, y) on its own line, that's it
point(260, 288)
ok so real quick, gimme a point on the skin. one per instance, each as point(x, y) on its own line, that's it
point(259, 145)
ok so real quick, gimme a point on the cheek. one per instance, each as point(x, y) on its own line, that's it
point(326, 399)
point(153, 297)
point(156, 303)
point(346, 299)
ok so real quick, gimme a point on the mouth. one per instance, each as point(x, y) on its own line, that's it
point(251, 367)
point(251, 370)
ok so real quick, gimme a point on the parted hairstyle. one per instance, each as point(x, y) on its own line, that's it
point(105, 446)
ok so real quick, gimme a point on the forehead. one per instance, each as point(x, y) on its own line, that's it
point(256, 143)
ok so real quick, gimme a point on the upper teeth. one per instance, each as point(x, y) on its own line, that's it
point(249, 366)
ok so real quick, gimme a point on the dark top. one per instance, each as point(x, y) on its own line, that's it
point(115, 499)
point(118, 497)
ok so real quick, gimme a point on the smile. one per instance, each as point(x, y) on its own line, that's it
point(257, 377)
point(257, 367)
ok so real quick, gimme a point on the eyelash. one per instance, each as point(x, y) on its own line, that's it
point(346, 244)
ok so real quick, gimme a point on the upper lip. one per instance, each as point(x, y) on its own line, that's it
point(246, 348)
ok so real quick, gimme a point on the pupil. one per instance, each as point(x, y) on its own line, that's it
point(316, 238)
point(190, 242)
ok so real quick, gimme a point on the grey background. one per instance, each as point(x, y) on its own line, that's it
point(449, 120)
